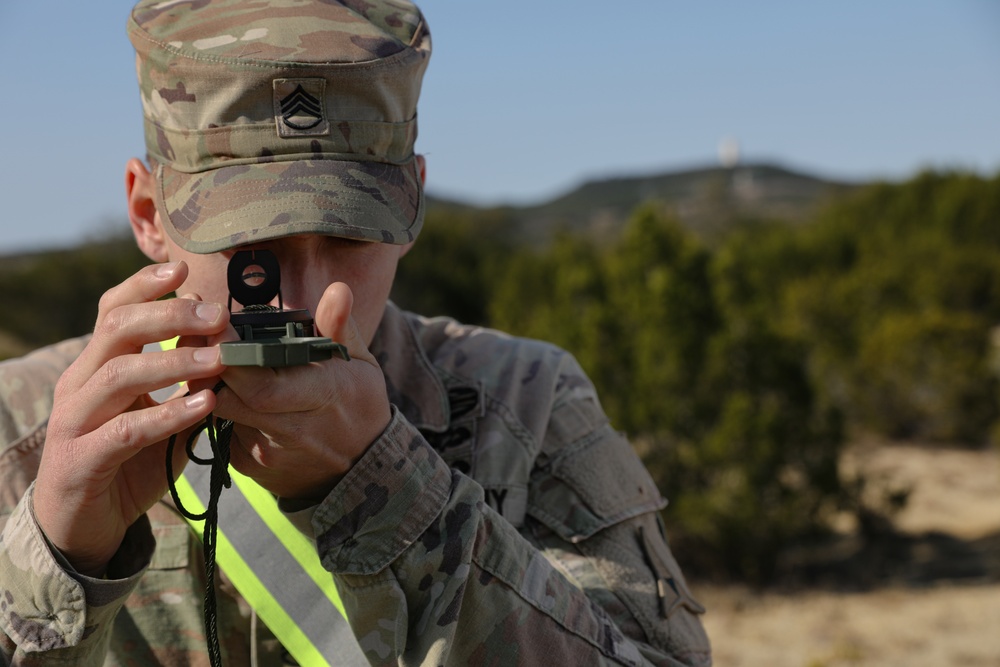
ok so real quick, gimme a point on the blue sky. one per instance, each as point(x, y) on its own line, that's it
point(525, 100)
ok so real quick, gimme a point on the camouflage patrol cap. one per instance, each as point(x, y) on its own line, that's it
point(279, 117)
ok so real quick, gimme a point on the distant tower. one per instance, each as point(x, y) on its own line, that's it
point(729, 152)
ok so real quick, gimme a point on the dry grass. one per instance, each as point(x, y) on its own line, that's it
point(955, 491)
point(946, 625)
point(950, 618)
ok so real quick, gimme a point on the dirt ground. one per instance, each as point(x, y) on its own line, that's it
point(933, 594)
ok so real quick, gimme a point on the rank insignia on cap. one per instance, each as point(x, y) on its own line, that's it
point(298, 107)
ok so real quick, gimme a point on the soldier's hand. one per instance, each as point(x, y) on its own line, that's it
point(103, 462)
point(300, 429)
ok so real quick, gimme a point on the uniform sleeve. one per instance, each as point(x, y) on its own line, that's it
point(431, 575)
point(50, 615)
point(593, 510)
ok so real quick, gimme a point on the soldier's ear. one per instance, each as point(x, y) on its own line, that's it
point(146, 225)
point(422, 168)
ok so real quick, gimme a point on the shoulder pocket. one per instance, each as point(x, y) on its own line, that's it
point(594, 483)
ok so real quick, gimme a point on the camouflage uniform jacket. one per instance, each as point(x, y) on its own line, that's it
point(499, 520)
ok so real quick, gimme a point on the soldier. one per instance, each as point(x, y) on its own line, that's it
point(456, 493)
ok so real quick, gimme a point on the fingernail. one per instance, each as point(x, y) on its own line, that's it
point(208, 311)
point(206, 355)
point(165, 270)
point(196, 401)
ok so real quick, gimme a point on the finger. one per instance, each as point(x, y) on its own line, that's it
point(333, 318)
point(252, 396)
point(115, 386)
point(130, 327)
point(335, 321)
point(134, 325)
point(251, 452)
point(129, 433)
point(148, 284)
point(191, 341)
point(226, 335)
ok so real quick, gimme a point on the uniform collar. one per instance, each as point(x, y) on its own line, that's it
point(411, 382)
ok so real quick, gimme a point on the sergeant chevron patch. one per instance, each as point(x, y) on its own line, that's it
point(299, 107)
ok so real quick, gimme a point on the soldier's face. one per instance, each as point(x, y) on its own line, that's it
point(309, 264)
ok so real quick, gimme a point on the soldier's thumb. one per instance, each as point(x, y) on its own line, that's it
point(333, 319)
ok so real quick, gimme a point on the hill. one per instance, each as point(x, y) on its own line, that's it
point(706, 200)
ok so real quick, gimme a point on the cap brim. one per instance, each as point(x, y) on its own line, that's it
point(234, 205)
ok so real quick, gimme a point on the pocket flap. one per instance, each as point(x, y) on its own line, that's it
point(592, 484)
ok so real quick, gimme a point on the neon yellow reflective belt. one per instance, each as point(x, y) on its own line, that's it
point(274, 567)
